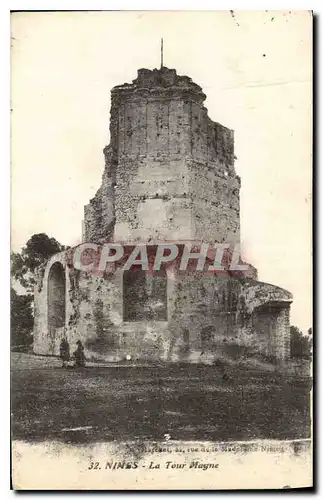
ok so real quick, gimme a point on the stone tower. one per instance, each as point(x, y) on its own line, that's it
point(169, 177)
point(169, 168)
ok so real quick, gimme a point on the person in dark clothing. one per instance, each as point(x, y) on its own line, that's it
point(79, 356)
point(64, 352)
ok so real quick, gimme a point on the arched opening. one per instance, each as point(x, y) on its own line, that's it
point(144, 295)
point(56, 297)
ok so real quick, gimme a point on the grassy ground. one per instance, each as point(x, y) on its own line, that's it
point(188, 402)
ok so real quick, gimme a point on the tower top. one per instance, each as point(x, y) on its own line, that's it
point(161, 53)
point(164, 81)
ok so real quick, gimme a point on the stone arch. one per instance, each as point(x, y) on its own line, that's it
point(56, 298)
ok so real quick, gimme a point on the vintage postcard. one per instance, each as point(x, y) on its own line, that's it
point(161, 293)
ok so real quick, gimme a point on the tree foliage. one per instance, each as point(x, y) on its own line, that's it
point(38, 249)
point(21, 319)
point(300, 344)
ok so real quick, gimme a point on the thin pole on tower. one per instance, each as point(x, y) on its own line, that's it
point(162, 53)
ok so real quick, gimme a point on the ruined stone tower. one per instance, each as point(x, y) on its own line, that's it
point(169, 177)
point(169, 168)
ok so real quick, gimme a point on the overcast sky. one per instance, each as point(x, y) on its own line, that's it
point(255, 68)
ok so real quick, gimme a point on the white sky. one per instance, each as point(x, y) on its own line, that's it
point(255, 68)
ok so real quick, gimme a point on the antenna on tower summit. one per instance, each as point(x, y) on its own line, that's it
point(161, 53)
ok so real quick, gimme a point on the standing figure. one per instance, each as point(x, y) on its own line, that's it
point(64, 352)
point(79, 356)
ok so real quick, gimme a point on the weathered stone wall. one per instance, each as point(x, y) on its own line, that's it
point(99, 214)
point(216, 205)
point(152, 200)
point(269, 307)
point(95, 315)
point(206, 316)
